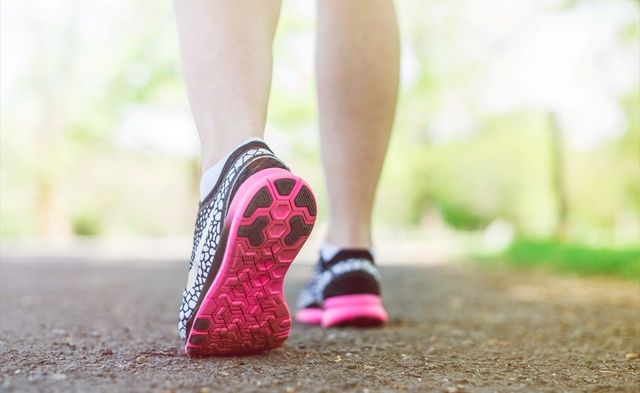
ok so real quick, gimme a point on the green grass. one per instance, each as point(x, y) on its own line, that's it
point(574, 258)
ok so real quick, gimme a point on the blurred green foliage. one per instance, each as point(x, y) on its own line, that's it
point(461, 218)
point(78, 77)
point(87, 224)
point(576, 258)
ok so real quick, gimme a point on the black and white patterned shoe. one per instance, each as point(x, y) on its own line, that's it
point(344, 291)
point(248, 230)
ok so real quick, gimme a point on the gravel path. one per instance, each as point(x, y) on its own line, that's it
point(89, 327)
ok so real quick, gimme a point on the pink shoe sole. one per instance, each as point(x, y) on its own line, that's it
point(349, 310)
point(244, 311)
point(309, 316)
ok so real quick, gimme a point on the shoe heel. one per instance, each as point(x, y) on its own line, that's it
point(309, 316)
point(244, 310)
point(354, 310)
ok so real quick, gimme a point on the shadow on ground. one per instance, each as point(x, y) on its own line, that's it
point(83, 327)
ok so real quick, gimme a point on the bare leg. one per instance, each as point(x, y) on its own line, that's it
point(358, 71)
point(227, 62)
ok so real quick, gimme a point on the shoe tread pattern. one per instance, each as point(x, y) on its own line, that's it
point(246, 311)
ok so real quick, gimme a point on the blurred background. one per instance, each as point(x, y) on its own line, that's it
point(517, 135)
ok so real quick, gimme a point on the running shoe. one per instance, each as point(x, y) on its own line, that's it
point(248, 230)
point(344, 291)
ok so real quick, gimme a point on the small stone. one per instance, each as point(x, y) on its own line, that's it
point(290, 389)
point(338, 359)
point(632, 356)
point(141, 359)
point(205, 389)
point(59, 377)
point(16, 372)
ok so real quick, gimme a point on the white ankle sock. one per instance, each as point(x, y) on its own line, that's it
point(328, 251)
point(211, 175)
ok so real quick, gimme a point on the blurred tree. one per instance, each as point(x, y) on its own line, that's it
point(92, 102)
point(557, 177)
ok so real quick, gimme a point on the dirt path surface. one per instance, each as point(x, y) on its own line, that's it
point(455, 328)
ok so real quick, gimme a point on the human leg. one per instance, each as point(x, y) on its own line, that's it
point(254, 215)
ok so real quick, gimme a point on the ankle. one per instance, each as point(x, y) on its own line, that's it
point(212, 166)
point(328, 251)
point(213, 153)
point(359, 238)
